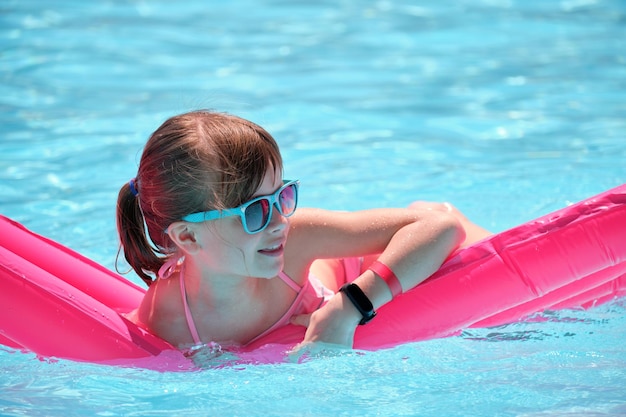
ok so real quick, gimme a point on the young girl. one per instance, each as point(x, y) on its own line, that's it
point(210, 216)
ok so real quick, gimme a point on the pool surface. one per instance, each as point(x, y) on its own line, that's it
point(507, 109)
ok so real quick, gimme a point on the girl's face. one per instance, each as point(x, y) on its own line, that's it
point(229, 250)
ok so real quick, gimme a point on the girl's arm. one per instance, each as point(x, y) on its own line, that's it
point(413, 243)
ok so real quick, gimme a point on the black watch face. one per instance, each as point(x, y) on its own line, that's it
point(360, 301)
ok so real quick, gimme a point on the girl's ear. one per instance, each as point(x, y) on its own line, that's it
point(184, 236)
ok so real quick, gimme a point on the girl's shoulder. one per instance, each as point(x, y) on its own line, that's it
point(161, 311)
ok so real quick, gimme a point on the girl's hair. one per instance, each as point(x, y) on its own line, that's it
point(193, 162)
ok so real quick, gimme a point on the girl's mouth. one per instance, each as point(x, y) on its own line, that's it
point(276, 250)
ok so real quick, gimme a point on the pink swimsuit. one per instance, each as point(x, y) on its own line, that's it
point(311, 296)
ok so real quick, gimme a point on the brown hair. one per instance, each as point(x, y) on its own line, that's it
point(193, 162)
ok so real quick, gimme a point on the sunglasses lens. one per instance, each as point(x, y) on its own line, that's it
point(257, 215)
point(288, 200)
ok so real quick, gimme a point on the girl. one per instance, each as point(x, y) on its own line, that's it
point(211, 217)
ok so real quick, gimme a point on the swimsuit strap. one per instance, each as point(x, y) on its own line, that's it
point(281, 322)
point(301, 292)
point(290, 282)
point(167, 269)
point(191, 325)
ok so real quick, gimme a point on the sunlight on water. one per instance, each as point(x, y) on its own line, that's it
point(507, 109)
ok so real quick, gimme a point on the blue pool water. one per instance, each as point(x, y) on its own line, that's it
point(508, 109)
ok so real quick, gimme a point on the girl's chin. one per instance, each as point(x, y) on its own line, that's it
point(270, 271)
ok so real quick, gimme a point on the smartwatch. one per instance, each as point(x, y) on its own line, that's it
point(360, 301)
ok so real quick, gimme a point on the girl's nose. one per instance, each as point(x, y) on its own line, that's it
point(278, 221)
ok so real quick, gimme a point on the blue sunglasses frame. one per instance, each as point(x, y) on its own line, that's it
point(273, 201)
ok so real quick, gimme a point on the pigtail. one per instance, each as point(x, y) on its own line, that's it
point(134, 241)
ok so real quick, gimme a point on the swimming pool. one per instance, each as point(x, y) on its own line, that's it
point(507, 109)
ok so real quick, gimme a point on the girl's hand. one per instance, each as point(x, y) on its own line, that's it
point(334, 323)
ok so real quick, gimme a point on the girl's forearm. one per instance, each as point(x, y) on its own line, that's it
point(414, 253)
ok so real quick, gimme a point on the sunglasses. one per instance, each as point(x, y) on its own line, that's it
point(256, 214)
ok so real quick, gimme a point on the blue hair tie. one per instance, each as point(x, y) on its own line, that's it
point(133, 189)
